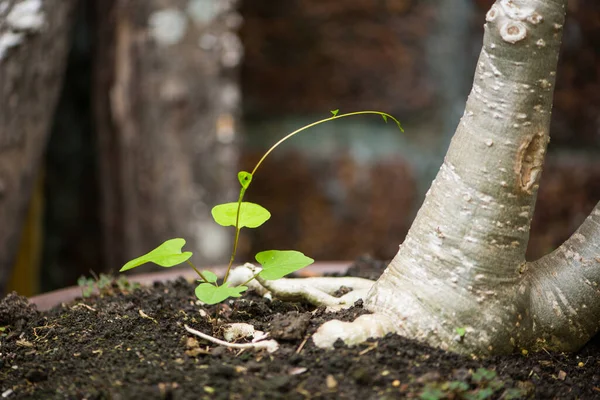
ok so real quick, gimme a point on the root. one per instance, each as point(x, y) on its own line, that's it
point(270, 345)
point(317, 291)
point(353, 333)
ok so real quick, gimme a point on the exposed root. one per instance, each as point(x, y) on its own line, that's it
point(317, 291)
point(270, 345)
point(353, 333)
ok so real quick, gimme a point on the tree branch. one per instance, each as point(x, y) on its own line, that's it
point(565, 288)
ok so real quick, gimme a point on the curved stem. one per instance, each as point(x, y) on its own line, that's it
point(384, 115)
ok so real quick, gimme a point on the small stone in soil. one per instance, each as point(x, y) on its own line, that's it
point(218, 351)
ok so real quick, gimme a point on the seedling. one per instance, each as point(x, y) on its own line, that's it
point(104, 284)
point(275, 263)
point(485, 384)
point(461, 332)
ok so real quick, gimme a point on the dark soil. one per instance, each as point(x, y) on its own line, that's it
point(133, 346)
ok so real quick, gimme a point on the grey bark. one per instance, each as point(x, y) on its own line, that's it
point(462, 264)
point(33, 47)
point(167, 103)
point(565, 288)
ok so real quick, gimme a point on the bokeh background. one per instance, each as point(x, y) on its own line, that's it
point(206, 86)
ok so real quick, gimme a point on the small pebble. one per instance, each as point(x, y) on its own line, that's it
point(330, 382)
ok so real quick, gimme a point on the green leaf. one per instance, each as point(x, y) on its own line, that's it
point(245, 178)
point(458, 386)
point(83, 281)
point(211, 294)
point(251, 215)
point(166, 255)
point(431, 393)
point(210, 276)
point(104, 281)
point(461, 331)
point(384, 117)
point(278, 263)
point(483, 374)
point(335, 112)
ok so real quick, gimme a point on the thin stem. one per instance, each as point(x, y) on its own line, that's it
point(237, 234)
point(249, 280)
point(198, 272)
point(385, 115)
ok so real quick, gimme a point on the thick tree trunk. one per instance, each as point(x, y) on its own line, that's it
point(462, 265)
point(167, 103)
point(34, 42)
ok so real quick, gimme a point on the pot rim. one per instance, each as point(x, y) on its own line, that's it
point(46, 301)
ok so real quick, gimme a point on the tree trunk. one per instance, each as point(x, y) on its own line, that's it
point(34, 42)
point(460, 280)
point(167, 102)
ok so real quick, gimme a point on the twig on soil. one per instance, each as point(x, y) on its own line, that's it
point(270, 345)
point(299, 349)
point(240, 352)
point(84, 306)
point(372, 346)
point(35, 331)
point(146, 316)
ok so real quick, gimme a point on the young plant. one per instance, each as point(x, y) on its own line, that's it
point(105, 285)
point(275, 263)
point(485, 384)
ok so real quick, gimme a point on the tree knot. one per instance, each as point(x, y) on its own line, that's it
point(530, 158)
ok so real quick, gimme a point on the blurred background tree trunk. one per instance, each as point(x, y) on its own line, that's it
point(34, 42)
point(166, 103)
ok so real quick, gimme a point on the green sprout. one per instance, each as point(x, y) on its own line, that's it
point(484, 384)
point(105, 284)
point(275, 263)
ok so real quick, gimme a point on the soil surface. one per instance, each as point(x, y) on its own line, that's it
point(131, 344)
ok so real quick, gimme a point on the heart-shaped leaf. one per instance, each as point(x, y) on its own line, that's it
point(211, 294)
point(167, 254)
point(335, 112)
point(278, 263)
point(245, 178)
point(210, 276)
point(251, 215)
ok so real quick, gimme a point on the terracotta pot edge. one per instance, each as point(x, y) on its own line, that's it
point(46, 301)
